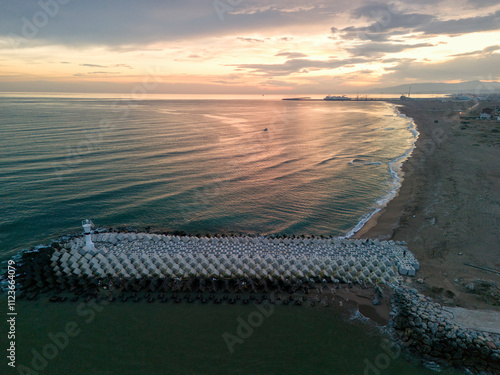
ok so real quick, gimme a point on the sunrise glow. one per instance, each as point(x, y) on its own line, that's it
point(249, 48)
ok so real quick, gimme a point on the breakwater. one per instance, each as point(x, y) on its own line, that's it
point(125, 265)
point(425, 328)
point(160, 262)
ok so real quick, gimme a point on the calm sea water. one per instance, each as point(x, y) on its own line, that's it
point(198, 166)
point(233, 166)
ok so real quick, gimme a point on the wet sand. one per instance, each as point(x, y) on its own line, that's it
point(448, 207)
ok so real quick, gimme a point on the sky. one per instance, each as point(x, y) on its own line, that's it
point(245, 46)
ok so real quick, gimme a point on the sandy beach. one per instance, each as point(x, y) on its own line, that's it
point(448, 207)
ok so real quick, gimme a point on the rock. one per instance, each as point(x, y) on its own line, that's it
point(457, 354)
point(491, 345)
point(470, 286)
point(427, 342)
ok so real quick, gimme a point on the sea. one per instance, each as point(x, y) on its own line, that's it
point(234, 165)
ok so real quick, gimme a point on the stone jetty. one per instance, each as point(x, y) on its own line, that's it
point(426, 328)
point(124, 265)
point(134, 261)
point(138, 255)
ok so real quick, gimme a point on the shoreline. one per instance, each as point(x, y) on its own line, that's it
point(370, 219)
point(383, 220)
point(439, 210)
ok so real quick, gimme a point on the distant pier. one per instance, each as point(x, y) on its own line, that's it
point(360, 99)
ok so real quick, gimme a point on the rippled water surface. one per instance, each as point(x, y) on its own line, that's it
point(233, 166)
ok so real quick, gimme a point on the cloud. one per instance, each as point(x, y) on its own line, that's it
point(94, 65)
point(484, 51)
point(93, 74)
point(251, 40)
point(462, 26)
point(367, 33)
point(466, 68)
point(386, 16)
point(491, 49)
point(387, 21)
point(292, 55)
point(482, 3)
point(430, 2)
point(107, 66)
point(297, 65)
point(397, 60)
point(278, 83)
point(230, 79)
point(226, 82)
point(260, 41)
point(390, 28)
point(379, 49)
point(119, 23)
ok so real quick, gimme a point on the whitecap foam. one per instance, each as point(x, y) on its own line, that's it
point(169, 111)
point(356, 315)
point(361, 223)
point(396, 173)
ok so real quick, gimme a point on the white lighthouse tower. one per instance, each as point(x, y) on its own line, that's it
point(87, 224)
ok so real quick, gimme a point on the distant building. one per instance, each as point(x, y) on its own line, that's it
point(486, 114)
